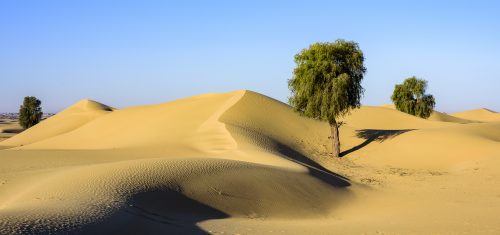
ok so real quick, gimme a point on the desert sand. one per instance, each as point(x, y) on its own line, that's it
point(482, 114)
point(244, 163)
point(9, 128)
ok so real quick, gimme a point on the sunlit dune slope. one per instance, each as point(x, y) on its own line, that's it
point(376, 117)
point(69, 119)
point(172, 123)
point(438, 116)
point(208, 123)
point(482, 114)
point(443, 117)
point(391, 137)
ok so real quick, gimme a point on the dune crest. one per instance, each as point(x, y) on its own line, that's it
point(443, 117)
point(438, 116)
point(87, 105)
point(67, 120)
point(482, 114)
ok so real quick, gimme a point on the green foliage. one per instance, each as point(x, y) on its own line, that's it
point(326, 83)
point(30, 113)
point(410, 98)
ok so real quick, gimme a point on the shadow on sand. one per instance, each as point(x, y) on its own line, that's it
point(283, 150)
point(12, 131)
point(171, 212)
point(156, 212)
point(371, 135)
point(316, 170)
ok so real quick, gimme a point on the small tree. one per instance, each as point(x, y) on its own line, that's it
point(30, 113)
point(326, 83)
point(410, 98)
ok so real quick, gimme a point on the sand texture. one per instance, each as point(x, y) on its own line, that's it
point(244, 163)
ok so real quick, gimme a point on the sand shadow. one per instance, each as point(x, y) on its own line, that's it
point(316, 170)
point(13, 131)
point(156, 212)
point(371, 135)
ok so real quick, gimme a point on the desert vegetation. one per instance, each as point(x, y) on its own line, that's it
point(30, 112)
point(410, 97)
point(326, 83)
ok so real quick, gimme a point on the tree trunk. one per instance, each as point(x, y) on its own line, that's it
point(335, 138)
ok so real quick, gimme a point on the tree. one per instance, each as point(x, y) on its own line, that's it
point(326, 83)
point(30, 113)
point(410, 98)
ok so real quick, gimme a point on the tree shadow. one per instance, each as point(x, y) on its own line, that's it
point(12, 131)
point(316, 170)
point(156, 212)
point(283, 150)
point(371, 135)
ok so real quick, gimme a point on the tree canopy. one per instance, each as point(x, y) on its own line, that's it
point(326, 83)
point(30, 112)
point(410, 97)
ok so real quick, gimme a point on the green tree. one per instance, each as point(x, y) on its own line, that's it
point(326, 83)
point(30, 113)
point(410, 98)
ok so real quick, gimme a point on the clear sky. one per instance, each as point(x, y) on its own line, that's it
point(125, 53)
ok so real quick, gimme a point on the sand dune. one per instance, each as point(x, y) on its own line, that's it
point(482, 114)
point(242, 162)
point(69, 119)
point(443, 117)
point(439, 116)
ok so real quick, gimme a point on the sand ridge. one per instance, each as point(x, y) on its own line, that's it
point(438, 116)
point(482, 114)
point(68, 120)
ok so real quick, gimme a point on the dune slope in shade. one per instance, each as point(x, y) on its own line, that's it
point(242, 162)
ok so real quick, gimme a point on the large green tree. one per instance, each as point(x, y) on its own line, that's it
point(410, 97)
point(326, 83)
point(30, 112)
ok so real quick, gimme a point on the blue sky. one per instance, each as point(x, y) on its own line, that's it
point(125, 53)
